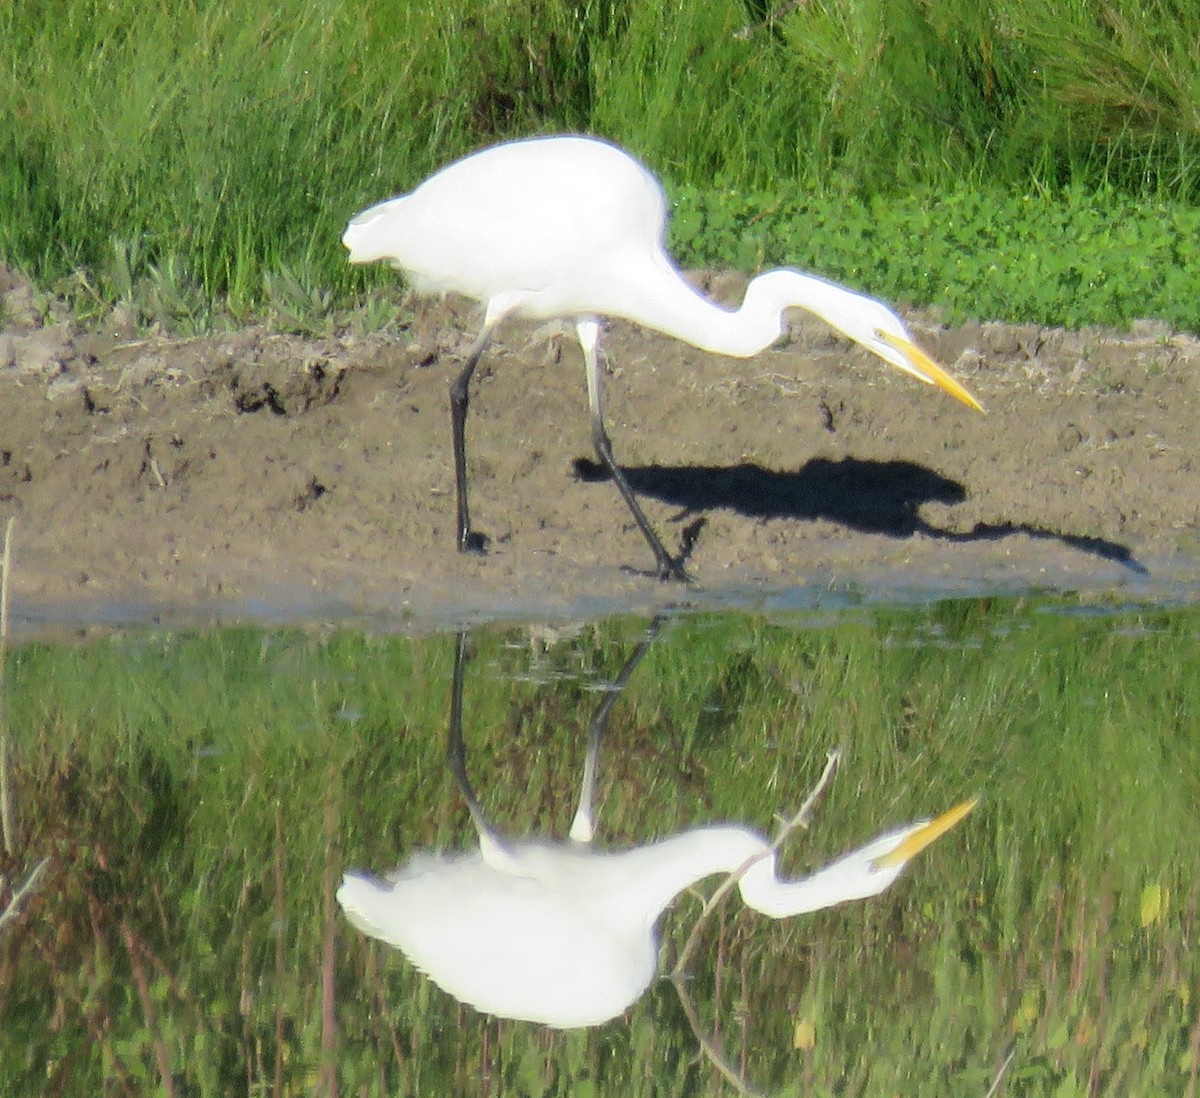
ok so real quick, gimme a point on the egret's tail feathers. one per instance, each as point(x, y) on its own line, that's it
point(363, 899)
point(364, 237)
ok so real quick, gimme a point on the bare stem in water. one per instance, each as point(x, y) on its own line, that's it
point(679, 972)
point(7, 826)
point(800, 819)
point(6, 814)
point(14, 905)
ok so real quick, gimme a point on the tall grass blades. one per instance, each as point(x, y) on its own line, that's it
point(221, 144)
point(911, 92)
point(1120, 90)
point(232, 138)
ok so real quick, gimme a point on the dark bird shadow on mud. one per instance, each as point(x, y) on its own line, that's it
point(873, 497)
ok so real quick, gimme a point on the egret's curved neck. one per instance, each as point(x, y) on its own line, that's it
point(657, 873)
point(655, 294)
point(652, 876)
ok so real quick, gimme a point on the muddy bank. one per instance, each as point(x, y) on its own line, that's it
point(252, 472)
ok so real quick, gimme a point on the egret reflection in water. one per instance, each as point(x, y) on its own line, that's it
point(561, 933)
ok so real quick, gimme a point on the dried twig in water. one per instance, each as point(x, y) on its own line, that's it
point(714, 1056)
point(1000, 1074)
point(162, 1055)
point(22, 893)
point(800, 819)
point(6, 813)
point(679, 972)
point(7, 826)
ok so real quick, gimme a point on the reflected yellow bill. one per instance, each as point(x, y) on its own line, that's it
point(923, 836)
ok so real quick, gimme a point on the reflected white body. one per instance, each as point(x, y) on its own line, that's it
point(565, 935)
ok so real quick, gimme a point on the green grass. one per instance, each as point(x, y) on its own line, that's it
point(197, 162)
point(198, 792)
point(1071, 259)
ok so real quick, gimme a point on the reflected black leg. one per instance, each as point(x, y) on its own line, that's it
point(583, 825)
point(456, 758)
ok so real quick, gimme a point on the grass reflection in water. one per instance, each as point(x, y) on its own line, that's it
point(200, 794)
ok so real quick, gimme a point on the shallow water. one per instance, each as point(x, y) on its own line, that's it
point(200, 793)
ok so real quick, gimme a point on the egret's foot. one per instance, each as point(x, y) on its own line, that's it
point(669, 571)
point(472, 541)
point(673, 571)
point(672, 568)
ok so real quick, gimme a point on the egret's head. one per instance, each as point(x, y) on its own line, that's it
point(866, 320)
point(874, 326)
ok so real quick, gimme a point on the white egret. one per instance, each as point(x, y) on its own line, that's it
point(566, 935)
point(573, 227)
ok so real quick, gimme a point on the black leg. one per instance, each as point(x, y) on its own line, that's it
point(668, 567)
point(468, 540)
point(588, 330)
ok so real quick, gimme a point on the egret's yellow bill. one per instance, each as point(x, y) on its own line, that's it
point(923, 836)
point(927, 370)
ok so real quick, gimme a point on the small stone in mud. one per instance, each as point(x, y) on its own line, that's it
point(1069, 437)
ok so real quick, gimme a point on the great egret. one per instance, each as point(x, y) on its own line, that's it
point(573, 227)
point(563, 934)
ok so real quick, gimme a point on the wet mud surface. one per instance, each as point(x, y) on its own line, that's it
point(259, 473)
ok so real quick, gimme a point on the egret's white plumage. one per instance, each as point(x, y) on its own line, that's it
point(564, 935)
point(574, 227)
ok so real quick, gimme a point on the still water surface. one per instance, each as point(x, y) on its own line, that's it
point(200, 795)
